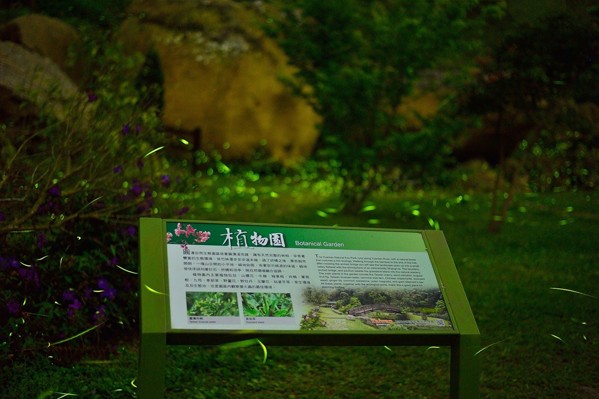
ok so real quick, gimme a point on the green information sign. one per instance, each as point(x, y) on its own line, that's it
point(215, 282)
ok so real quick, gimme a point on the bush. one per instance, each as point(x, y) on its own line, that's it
point(565, 158)
point(72, 191)
point(101, 13)
point(312, 320)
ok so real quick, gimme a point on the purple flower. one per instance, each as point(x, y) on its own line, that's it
point(183, 211)
point(41, 240)
point(108, 291)
point(165, 180)
point(69, 296)
point(117, 169)
point(113, 261)
point(49, 207)
point(31, 275)
point(137, 189)
point(74, 307)
point(13, 307)
point(130, 231)
point(2, 217)
point(91, 96)
point(126, 129)
point(76, 304)
point(54, 191)
point(103, 283)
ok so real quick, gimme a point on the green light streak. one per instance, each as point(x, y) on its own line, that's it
point(74, 336)
point(153, 151)
point(573, 292)
point(245, 344)
point(64, 395)
point(92, 201)
point(126, 270)
point(264, 349)
point(153, 291)
point(489, 346)
point(558, 338)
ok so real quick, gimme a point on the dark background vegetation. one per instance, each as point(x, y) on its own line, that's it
point(518, 204)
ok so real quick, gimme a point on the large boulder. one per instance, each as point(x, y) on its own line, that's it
point(49, 37)
point(26, 76)
point(221, 77)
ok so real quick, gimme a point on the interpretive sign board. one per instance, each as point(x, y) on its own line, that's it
point(213, 282)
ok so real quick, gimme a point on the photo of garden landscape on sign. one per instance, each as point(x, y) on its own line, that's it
point(374, 309)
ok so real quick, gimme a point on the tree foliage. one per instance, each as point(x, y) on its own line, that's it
point(544, 74)
point(347, 298)
point(356, 61)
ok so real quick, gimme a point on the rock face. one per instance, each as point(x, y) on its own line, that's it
point(48, 37)
point(35, 65)
point(221, 77)
point(26, 75)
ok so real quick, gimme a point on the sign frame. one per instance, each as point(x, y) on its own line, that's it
point(156, 334)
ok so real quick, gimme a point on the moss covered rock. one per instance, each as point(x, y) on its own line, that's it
point(221, 77)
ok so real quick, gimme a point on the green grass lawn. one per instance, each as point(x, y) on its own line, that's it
point(336, 321)
point(542, 340)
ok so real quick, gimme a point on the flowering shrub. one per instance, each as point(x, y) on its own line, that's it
point(312, 320)
point(71, 194)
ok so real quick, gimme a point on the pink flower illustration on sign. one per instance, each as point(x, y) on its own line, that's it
point(189, 231)
point(202, 236)
point(179, 230)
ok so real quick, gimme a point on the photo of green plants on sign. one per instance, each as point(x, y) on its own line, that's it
point(264, 304)
point(212, 304)
point(374, 309)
